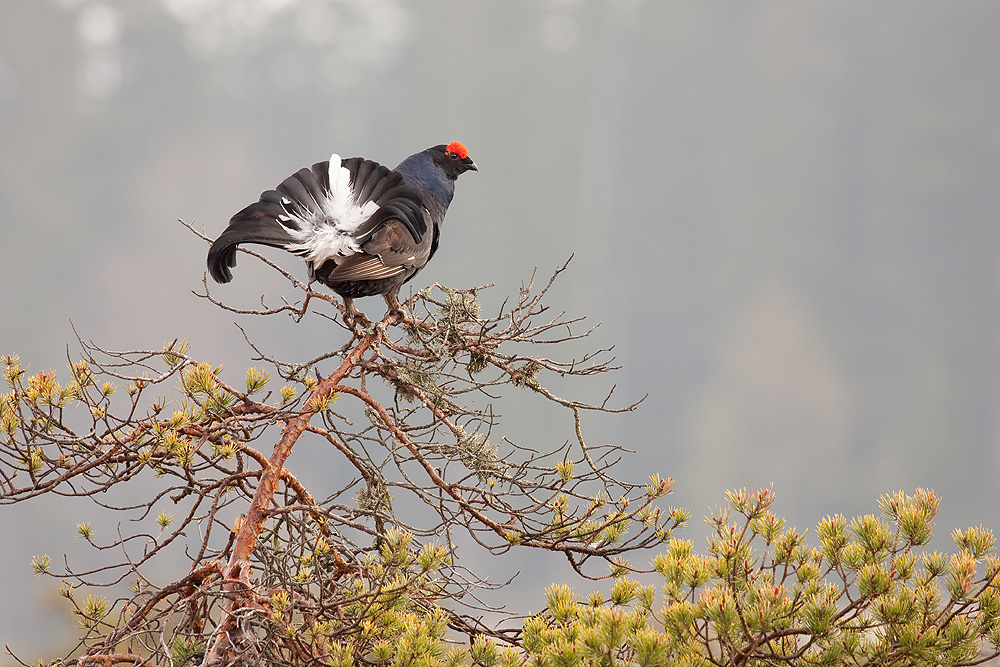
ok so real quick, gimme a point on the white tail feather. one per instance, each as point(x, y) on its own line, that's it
point(330, 232)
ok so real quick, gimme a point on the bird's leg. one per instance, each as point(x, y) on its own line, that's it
point(351, 313)
point(394, 306)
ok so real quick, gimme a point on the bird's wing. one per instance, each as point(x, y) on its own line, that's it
point(400, 204)
point(361, 267)
point(390, 251)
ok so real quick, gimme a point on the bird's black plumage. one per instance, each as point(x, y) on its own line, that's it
point(363, 229)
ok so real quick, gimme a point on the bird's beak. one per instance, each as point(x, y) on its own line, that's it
point(472, 166)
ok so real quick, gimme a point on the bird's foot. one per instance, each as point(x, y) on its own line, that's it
point(395, 308)
point(399, 313)
point(352, 316)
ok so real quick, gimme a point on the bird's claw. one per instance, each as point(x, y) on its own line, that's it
point(395, 308)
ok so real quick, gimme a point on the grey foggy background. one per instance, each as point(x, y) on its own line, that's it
point(784, 214)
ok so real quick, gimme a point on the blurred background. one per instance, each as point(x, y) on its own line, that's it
point(784, 215)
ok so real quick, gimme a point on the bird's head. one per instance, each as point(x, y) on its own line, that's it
point(453, 159)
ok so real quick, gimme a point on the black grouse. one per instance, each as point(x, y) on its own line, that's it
point(362, 228)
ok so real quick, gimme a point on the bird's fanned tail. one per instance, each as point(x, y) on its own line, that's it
point(257, 223)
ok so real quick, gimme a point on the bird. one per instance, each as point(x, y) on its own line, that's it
point(361, 228)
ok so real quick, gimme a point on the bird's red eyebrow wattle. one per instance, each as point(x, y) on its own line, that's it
point(458, 148)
